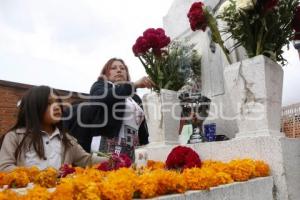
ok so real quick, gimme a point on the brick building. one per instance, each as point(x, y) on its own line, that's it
point(290, 120)
point(10, 95)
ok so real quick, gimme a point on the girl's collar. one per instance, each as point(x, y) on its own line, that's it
point(56, 132)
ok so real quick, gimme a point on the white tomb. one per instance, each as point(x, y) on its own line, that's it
point(259, 140)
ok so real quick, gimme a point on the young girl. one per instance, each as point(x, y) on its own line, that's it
point(37, 139)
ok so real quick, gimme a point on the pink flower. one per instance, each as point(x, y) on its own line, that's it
point(296, 23)
point(115, 162)
point(66, 169)
point(197, 17)
point(182, 157)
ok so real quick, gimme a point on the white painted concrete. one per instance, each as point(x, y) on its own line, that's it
point(273, 150)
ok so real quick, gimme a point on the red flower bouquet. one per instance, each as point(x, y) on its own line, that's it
point(200, 18)
point(115, 162)
point(182, 157)
point(153, 40)
point(165, 63)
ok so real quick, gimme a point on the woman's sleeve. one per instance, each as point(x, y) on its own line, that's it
point(7, 153)
point(82, 158)
point(101, 91)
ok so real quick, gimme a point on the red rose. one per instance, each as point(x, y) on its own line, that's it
point(183, 157)
point(197, 17)
point(296, 23)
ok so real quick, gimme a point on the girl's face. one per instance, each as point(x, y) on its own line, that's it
point(117, 72)
point(53, 113)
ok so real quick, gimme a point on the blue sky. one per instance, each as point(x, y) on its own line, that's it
point(64, 43)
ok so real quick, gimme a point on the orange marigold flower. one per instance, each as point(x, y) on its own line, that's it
point(200, 178)
point(170, 182)
point(64, 191)
point(2, 182)
point(79, 170)
point(222, 178)
point(152, 165)
point(47, 178)
point(8, 195)
point(261, 169)
point(216, 165)
point(119, 184)
point(32, 172)
point(146, 185)
point(94, 174)
point(241, 170)
point(16, 179)
point(85, 189)
point(37, 193)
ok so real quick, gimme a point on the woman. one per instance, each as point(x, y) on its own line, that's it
point(114, 111)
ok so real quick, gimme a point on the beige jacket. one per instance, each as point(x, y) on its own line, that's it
point(74, 155)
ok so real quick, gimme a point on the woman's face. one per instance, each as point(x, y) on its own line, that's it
point(53, 113)
point(117, 72)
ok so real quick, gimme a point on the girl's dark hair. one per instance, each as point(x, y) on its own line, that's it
point(108, 64)
point(33, 106)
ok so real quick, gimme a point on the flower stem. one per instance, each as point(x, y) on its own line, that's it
point(216, 36)
point(259, 41)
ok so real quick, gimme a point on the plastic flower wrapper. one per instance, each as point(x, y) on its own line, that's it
point(115, 162)
point(200, 18)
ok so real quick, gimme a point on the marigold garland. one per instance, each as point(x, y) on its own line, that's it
point(241, 170)
point(152, 165)
point(127, 183)
point(37, 193)
point(64, 191)
point(47, 178)
point(261, 169)
point(170, 182)
point(8, 195)
point(16, 179)
point(119, 184)
point(2, 182)
point(85, 189)
point(218, 166)
point(200, 178)
point(146, 185)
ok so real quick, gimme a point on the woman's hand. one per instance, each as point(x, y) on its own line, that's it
point(144, 82)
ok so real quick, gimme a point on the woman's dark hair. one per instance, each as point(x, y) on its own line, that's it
point(33, 106)
point(107, 66)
